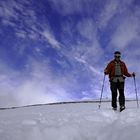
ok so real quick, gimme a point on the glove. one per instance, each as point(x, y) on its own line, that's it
point(105, 72)
point(133, 74)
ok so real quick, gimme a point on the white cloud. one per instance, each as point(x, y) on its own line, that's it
point(91, 52)
point(28, 25)
point(93, 69)
point(126, 25)
point(21, 34)
point(51, 39)
point(125, 33)
point(7, 10)
point(37, 85)
point(109, 10)
point(15, 11)
point(44, 84)
point(88, 48)
point(87, 28)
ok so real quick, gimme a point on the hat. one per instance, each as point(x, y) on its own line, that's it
point(117, 52)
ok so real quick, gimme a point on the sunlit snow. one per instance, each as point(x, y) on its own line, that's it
point(79, 121)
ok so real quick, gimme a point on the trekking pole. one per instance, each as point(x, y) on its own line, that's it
point(136, 91)
point(102, 92)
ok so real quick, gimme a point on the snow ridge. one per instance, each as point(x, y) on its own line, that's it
point(59, 103)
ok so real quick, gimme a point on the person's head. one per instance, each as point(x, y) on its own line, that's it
point(117, 55)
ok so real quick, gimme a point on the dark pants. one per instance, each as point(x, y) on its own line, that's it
point(119, 86)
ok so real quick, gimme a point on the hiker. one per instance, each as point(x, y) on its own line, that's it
point(117, 71)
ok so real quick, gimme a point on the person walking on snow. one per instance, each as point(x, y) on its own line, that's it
point(117, 70)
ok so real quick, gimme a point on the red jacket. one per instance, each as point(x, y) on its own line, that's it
point(110, 69)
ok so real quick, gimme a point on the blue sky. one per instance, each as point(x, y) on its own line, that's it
point(54, 50)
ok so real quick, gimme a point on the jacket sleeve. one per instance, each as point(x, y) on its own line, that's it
point(107, 69)
point(126, 73)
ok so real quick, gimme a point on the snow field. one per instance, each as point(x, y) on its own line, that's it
point(80, 121)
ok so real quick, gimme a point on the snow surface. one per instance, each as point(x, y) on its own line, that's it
point(80, 121)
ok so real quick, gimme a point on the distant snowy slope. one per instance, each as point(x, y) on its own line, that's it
point(81, 121)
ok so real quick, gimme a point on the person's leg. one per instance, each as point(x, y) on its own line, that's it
point(113, 87)
point(121, 94)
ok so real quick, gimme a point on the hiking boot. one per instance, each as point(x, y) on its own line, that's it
point(114, 108)
point(122, 108)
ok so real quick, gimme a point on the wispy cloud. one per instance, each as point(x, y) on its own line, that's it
point(126, 32)
point(125, 20)
point(12, 11)
point(109, 10)
point(66, 7)
point(51, 39)
point(39, 85)
point(90, 46)
point(80, 61)
point(29, 26)
point(87, 28)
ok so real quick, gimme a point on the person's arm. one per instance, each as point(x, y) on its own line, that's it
point(126, 73)
point(107, 69)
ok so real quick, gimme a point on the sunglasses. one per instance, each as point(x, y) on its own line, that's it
point(117, 56)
